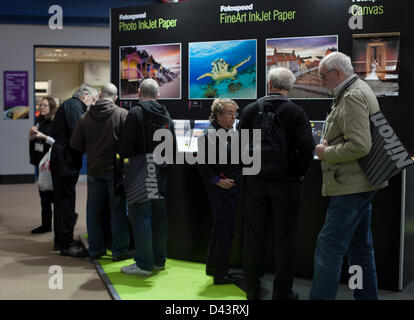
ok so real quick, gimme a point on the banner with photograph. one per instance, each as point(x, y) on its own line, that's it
point(375, 58)
point(161, 62)
point(222, 69)
point(302, 56)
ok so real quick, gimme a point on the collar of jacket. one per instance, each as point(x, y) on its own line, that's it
point(83, 104)
point(346, 85)
point(276, 96)
point(217, 126)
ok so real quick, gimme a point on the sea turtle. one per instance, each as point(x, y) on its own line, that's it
point(219, 70)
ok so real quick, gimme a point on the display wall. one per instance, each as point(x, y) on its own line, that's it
point(212, 30)
point(226, 50)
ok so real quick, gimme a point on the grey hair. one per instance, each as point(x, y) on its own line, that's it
point(339, 61)
point(218, 106)
point(85, 89)
point(281, 78)
point(149, 88)
point(109, 90)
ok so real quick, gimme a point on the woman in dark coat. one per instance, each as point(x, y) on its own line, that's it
point(40, 142)
point(223, 183)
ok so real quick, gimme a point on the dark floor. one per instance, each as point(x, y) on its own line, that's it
point(302, 287)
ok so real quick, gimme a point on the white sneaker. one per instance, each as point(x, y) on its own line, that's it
point(159, 268)
point(135, 270)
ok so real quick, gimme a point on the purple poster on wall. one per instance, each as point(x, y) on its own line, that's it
point(16, 95)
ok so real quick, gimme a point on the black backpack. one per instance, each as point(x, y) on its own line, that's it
point(274, 155)
point(152, 122)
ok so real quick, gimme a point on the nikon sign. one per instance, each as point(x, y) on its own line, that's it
point(387, 156)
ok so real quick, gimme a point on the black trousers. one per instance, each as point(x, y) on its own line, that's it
point(272, 206)
point(64, 194)
point(223, 205)
point(46, 200)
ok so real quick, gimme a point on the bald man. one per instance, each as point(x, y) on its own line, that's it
point(98, 133)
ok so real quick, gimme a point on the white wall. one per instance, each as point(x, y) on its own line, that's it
point(17, 53)
point(97, 73)
point(65, 77)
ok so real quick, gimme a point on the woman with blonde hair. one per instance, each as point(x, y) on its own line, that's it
point(223, 184)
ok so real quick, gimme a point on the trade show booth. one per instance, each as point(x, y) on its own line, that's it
point(198, 51)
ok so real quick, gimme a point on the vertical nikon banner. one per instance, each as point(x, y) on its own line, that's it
point(200, 50)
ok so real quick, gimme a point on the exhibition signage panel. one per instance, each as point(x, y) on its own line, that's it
point(16, 95)
point(202, 50)
point(226, 50)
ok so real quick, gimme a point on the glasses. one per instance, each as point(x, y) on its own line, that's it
point(323, 76)
point(231, 113)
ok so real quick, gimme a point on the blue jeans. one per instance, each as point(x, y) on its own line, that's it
point(149, 224)
point(101, 192)
point(347, 231)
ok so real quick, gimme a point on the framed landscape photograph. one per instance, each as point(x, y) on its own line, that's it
point(161, 62)
point(302, 56)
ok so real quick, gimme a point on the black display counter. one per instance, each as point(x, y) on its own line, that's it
point(189, 222)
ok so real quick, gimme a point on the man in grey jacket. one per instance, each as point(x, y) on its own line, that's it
point(346, 138)
point(98, 134)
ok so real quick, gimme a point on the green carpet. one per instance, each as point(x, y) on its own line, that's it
point(181, 280)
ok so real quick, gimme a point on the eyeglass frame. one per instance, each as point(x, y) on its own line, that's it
point(323, 76)
point(230, 113)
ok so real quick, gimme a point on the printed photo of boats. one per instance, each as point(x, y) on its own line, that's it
point(222, 69)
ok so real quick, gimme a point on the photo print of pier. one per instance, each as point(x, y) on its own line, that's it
point(302, 56)
point(222, 69)
point(375, 60)
point(161, 62)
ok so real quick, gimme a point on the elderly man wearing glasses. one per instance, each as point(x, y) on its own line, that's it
point(346, 138)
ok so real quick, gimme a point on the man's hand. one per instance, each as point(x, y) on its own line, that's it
point(320, 149)
point(225, 183)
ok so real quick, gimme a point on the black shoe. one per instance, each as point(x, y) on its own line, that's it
point(98, 255)
point(123, 256)
point(224, 280)
point(78, 243)
point(56, 247)
point(254, 295)
point(210, 271)
point(41, 229)
point(74, 251)
point(285, 296)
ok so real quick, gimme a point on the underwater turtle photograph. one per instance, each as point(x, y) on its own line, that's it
point(222, 69)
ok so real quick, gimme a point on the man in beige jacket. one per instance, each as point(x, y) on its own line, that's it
point(347, 138)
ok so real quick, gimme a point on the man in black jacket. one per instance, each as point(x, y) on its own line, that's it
point(149, 218)
point(273, 200)
point(65, 164)
point(98, 134)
